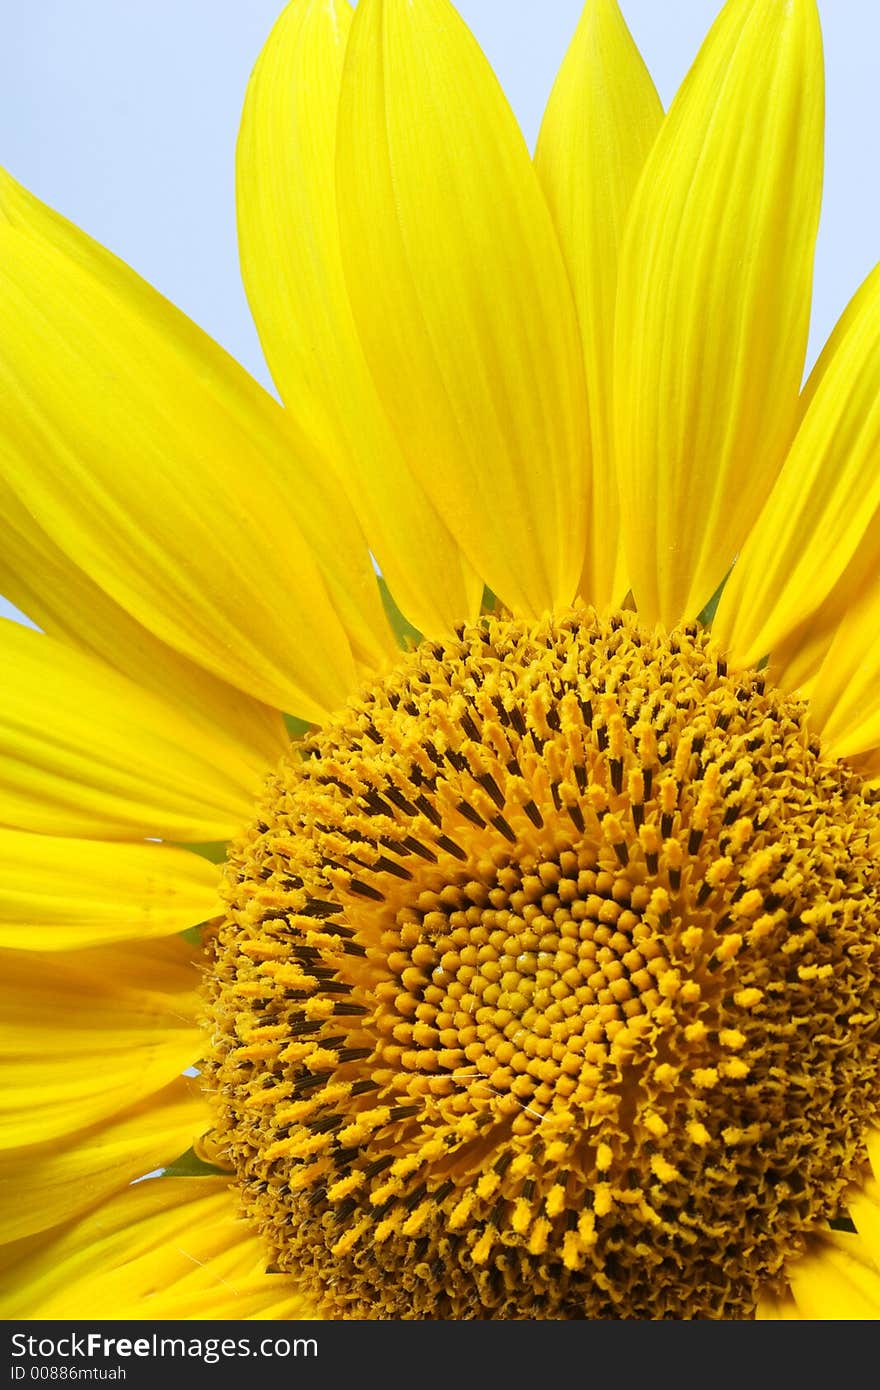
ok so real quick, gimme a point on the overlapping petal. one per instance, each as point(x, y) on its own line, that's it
point(824, 500)
point(843, 699)
point(86, 752)
point(461, 297)
point(844, 702)
point(773, 1307)
point(837, 1281)
point(41, 580)
point(713, 301)
point(60, 894)
point(152, 459)
point(795, 662)
point(601, 120)
point(168, 1248)
point(87, 1034)
point(56, 1181)
point(864, 1208)
point(292, 267)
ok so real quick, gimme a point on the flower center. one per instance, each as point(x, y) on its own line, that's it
point(549, 984)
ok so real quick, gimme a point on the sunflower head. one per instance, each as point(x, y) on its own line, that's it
point(549, 984)
point(541, 977)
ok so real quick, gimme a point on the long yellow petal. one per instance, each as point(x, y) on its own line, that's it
point(777, 1308)
point(863, 1204)
point(837, 1281)
point(867, 765)
point(843, 691)
point(713, 301)
point(461, 297)
point(52, 1183)
point(844, 707)
point(59, 894)
point(60, 598)
point(84, 752)
point(824, 499)
point(168, 1248)
point(87, 1034)
point(150, 457)
point(292, 267)
point(795, 662)
point(601, 120)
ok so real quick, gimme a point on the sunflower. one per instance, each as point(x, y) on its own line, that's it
point(541, 975)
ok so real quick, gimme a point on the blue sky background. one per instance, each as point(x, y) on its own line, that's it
point(123, 114)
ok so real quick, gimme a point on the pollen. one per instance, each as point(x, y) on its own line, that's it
point(548, 984)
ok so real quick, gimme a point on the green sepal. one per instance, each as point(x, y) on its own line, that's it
point(489, 601)
point(705, 617)
point(193, 935)
point(212, 850)
point(407, 636)
point(189, 1165)
point(297, 728)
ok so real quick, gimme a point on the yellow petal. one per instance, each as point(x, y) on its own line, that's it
point(844, 705)
point(601, 120)
point(87, 1034)
point(170, 477)
point(863, 1204)
point(84, 752)
point(713, 301)
point(58, 894)
point(55, 593)
point(168, 1248)
point(461, 297)
point(795, 662)
point(872, 1140)
point(777, 1308)
point(837, 1281)
point(867, 765)
point(824, 499)
point(55, 1182)
point(292, 268)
